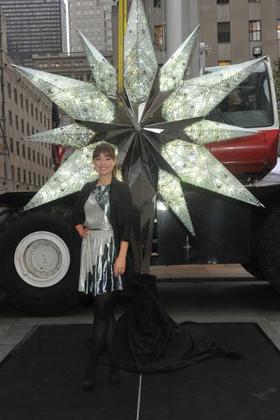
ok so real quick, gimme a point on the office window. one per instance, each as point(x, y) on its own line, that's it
point(9, 90)
point(28, 129)
point(33, 155)
point(278, 29)
point(45, 121)
point(222, 1)
point(32, 130)
point(16, 119)
point(15, 96)
point(10, 118)
point(38, 158)
point(41, 117)
point(18, 174)
point(29, 153)
point(255, 33)
point(29, 177)
point(23, 150)
point(159, 36)
point(12, 171)
point(17, 147)
point(11, 145)
point(223, 32)
point(21, 101)
point(224, 62)
point(32, 109)
point(24, 175)
point(27, 105)
point(22, 126)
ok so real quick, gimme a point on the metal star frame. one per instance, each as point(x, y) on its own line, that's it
point(159, 127)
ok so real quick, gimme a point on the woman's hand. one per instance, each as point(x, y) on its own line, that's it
point(119, 266)
point(82, 230)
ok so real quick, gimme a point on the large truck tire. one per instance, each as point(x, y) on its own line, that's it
point(269, 248)
point(39, 264)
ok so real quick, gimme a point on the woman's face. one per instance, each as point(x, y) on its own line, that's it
point(104, 164)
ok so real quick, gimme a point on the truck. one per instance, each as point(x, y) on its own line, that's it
point(39, 250)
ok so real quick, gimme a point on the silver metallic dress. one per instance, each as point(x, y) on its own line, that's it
point(98, 248)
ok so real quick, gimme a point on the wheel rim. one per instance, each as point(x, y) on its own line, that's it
point(42, 259)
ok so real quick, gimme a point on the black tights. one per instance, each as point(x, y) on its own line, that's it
point(103, 332)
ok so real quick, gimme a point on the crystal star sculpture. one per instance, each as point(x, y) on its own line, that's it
point(159, 125)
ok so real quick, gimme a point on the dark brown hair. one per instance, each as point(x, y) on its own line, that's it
point(108, 150)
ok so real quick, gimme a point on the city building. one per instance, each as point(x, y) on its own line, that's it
point(238, 30)
point(93, 18)
point(156, 15)
point(34, 26)
point(23, 111)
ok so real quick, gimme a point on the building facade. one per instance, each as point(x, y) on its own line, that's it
point(156, 15)
point(94, 19)
point(34, 26)
point(24, 111)
point(238, 30)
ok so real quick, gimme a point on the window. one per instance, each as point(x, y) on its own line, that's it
point(39, 179)
point(21, 101)
point(9, 90)
point(255, 33)
point(223, 32)
point(33, 155)
point(16, 122)
point(157, 3)
point(41, 117)
point(36, 113)
point(32, 110)
point(11, 145)
point(15, 96)
point(22, 126)
point(45, 121)
point(29, 177)
point(254, 1)
point(38, 158)
point(34, 179)
point(224, 62)
point(18, 174)
point(28, 129)
point(29, 153)
point(12, 171)
point(24, 175)
point(10, 118)
point(278, 28)
point(32, 130)
point(222, 1)
point(26, 105)
point(23, 150)
point(17, 146)
point(159, 36)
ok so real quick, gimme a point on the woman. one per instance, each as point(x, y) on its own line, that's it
point(102, 218)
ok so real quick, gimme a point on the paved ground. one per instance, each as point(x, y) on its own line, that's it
point(208, 294)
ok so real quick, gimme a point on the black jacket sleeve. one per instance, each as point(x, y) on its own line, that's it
point(78, 215)
point(126, 209)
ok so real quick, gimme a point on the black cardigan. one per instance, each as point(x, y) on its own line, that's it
point(120, 209)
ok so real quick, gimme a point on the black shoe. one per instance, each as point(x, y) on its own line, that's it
point(88, 384)
point(115, 377)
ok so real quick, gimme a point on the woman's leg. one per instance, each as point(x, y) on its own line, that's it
point(103, 311)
